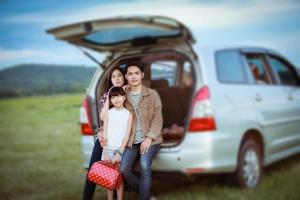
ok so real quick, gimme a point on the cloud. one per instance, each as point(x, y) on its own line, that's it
point(289, 41)
point(191, 13)
point(7, 55)
point(195, 14)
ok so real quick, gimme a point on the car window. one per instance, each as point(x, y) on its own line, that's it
point(164, 72)
point(259, 69)
point(284, 71)
point(229, 67)
point(186, 76)
point(114, 35)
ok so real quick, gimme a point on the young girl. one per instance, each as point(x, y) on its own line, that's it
point(116, 128)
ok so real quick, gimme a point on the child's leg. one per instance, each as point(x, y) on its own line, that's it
point(110, 194)
point(120, 191)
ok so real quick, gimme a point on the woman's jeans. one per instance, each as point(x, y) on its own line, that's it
point(89, 187)
point(141, 184)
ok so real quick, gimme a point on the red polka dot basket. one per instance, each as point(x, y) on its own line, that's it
point(105, 174)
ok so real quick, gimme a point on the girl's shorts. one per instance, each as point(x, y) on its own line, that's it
point(111, 153)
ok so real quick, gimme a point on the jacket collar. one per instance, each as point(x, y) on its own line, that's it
point(145, 90)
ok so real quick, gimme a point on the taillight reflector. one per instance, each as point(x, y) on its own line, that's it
point(202, 94)
point(86, 129)
point(202, 124)
point(85, 104)
point(86, 121)
point(201, 117)
point(194, 170)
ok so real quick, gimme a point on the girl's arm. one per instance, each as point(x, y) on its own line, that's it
point(120, 151)
point(105, 123)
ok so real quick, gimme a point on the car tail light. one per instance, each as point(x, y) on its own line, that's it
point(194, 170)
point(202, 118)
point(85, 121)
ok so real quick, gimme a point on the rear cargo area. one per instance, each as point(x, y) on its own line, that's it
point(172, 76)
point(175, 109)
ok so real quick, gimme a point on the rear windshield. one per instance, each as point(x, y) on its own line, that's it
point(124, 34)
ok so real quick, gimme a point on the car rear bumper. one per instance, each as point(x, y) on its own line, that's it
point(87, 145)
point(209, 152)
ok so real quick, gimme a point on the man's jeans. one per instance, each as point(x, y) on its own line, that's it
point(141, 184)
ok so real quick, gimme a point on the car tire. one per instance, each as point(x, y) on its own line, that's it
point(249, 170)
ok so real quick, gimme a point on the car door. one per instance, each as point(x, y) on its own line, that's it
point(288, 80)
point(269, 101)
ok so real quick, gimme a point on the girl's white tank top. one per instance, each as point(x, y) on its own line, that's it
point(116, 127)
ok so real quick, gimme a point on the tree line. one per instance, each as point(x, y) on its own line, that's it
point(40, 79)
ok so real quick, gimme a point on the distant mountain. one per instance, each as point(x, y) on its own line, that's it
point(33, 79)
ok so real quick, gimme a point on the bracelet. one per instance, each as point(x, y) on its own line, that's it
point(119, 152)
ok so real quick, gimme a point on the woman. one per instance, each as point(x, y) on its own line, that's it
point(116, 78)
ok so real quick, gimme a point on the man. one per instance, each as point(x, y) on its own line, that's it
point(145, 137)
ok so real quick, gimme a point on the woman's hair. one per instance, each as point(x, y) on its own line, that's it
point(115, 91)
point(110, 75)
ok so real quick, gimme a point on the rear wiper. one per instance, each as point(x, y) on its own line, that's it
point(92, 58)
point(146, 40)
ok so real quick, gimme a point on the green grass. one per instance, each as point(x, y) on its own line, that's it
point(41, 159)
point(40, 148)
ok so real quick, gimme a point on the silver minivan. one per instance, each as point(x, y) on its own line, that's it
point(228, 110)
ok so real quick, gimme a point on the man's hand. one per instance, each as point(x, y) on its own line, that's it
point(145, 145)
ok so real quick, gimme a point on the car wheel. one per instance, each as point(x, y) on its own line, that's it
point(249, 170)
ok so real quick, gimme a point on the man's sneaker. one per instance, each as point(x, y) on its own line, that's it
point(153, 198)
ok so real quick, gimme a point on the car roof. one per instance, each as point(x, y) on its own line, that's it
point(207, 51)
point(246, 49)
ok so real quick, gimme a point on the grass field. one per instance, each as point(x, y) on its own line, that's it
point(41, 159)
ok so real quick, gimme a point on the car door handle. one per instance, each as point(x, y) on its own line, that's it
point(258, 98)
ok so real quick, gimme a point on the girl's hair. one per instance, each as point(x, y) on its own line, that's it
point(115, 91)
point(110, 75)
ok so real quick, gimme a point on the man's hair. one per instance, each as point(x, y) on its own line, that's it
point(136, 63)
point(116, 91)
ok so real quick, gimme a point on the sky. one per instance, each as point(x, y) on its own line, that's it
point(23, 39)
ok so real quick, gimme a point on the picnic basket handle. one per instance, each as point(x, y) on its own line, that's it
point(108, 164)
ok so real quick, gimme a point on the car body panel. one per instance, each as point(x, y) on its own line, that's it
point(209, 151)
point(87, 144)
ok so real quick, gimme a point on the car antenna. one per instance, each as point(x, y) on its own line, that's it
point(92, 58)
